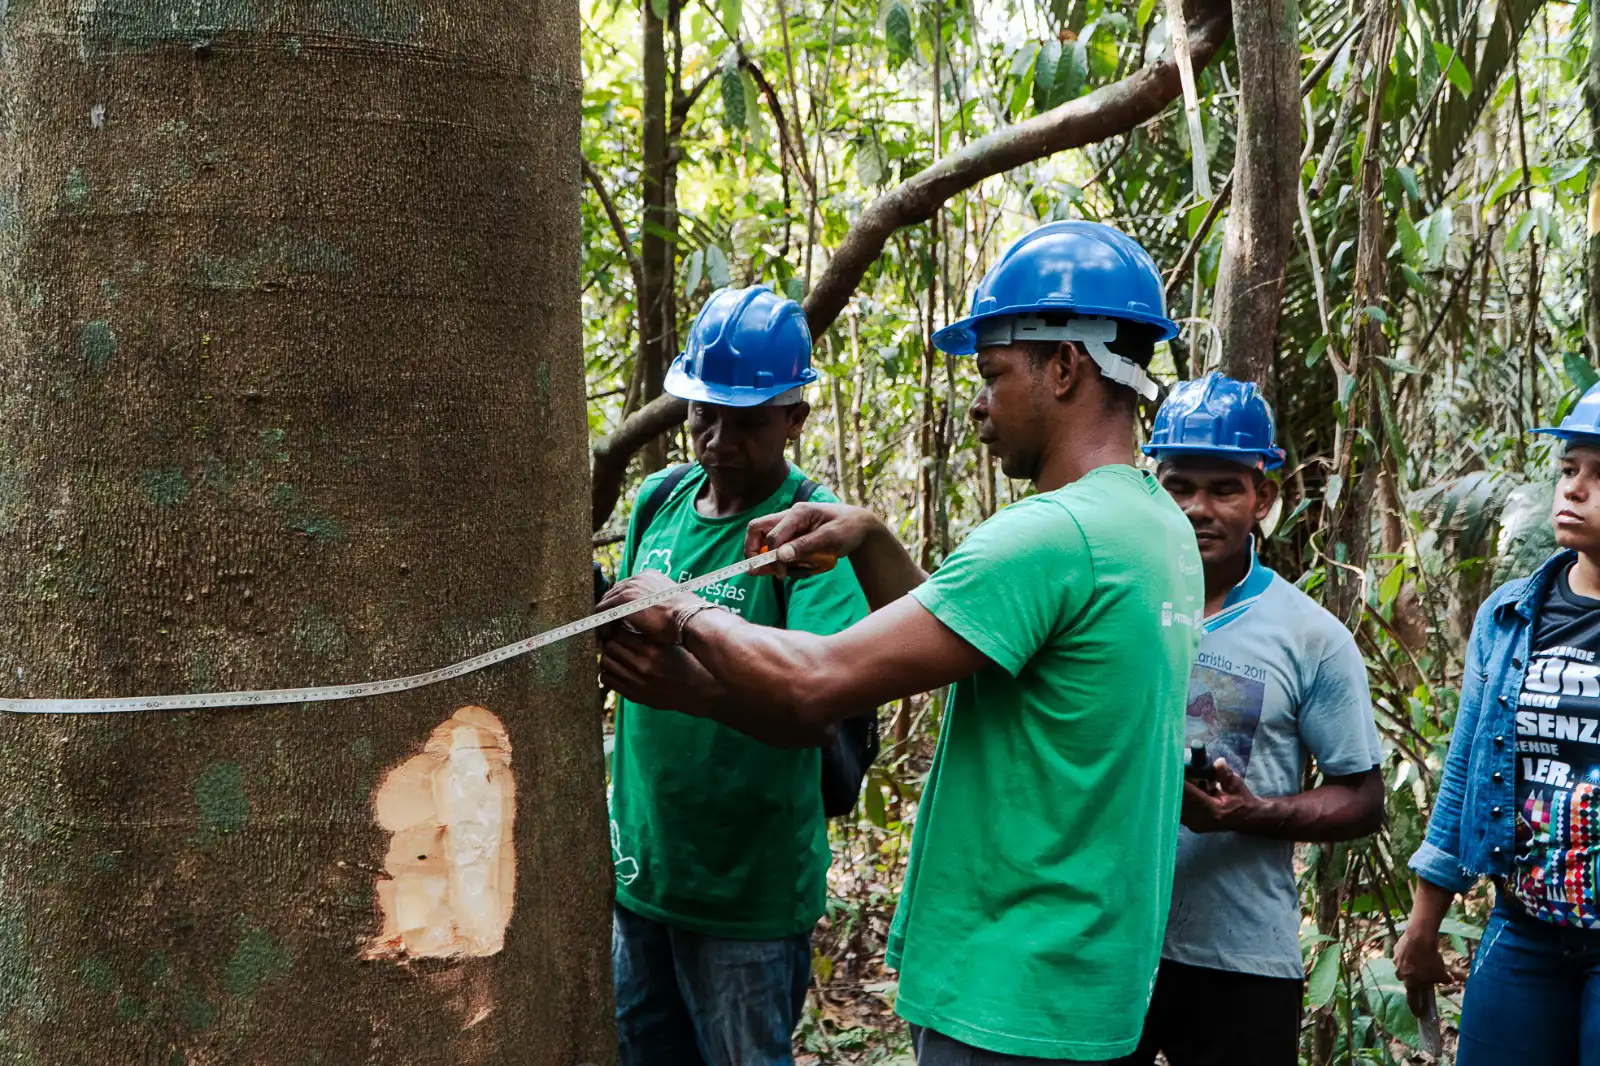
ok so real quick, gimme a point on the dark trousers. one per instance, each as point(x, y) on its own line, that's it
point(1202, 1017)
point(686, 999)
point(936, 1049)
point(1534, 995)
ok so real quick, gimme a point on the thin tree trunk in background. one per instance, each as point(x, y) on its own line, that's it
point(1592, 98)
point(841, 431)
point(1347, 522)
point(927, 476)
point(1265, 210)
point(259, 426)
point(655, 251)
point(859, 450)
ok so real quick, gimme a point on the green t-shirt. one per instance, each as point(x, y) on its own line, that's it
point(1041, 864)
point(712, 831)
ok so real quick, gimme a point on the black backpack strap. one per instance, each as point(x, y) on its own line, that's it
point(644, 511)
point(659, 495)
point(803, 494)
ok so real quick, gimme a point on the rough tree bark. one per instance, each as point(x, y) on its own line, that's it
point(655, 249)
point(1106, 112)
point(1260, 228)
point(264, 270)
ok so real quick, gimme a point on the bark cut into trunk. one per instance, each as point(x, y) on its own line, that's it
point(269, 280)
point(1261, 225)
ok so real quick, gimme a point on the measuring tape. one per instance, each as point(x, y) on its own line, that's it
point(270, 696)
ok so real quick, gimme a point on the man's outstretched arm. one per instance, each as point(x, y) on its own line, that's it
point(883, 567)
point(780, 686)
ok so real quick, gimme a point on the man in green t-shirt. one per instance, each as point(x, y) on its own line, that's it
point(1031, 920)
point(719, 839)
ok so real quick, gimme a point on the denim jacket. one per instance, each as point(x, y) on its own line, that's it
point(1472, 833)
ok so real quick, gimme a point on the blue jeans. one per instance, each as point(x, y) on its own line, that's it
point(1534, 995)
point(686, 999)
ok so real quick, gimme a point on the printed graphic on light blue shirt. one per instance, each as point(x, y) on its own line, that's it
point(1277, 679)
point(1224, 710)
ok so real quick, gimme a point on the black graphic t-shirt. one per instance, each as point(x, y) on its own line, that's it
point(1558, 763)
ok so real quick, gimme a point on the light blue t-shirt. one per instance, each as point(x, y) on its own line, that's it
point(1277, 678)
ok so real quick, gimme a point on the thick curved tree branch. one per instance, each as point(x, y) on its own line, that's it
point(1104, 113)
point(611, 456)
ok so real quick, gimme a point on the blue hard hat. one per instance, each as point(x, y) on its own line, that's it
point(747, 346)
point(1216, 415)
point(1086, 268)
point(1582, 423)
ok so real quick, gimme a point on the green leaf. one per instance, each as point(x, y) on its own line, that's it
point(1377, 314)
point(1023, 57)
point(1314, 352)
point(732, 15)
point(897, 31)
point(1100, 47)
point(872, 161)
point(1044, 73)
point(794, 288)
point(694, 269)
point(717, 267)
point(1414, 280)
point(733, 99)
point(754, 122)
point(1436, 230)
point(1058, 74)
point(1410, 240)
point(1520, 229)
point(661, 9)
point(1579, 372)
point(1146, 9)
point(872, 801)
point(1195, 216)
point(1408, 179)
point(1511, 180)
point(1389, 587)
point(1459, 78)
point(1428, 68)
point(1330, 499)
point(1325, 971)
point(1399, 366)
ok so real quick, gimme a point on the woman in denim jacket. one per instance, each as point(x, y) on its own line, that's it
point(1520, 799)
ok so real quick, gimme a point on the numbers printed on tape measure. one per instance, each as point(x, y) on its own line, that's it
point(272, 697)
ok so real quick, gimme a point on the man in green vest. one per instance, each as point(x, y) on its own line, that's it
point(719, 840)
point(1031, 921)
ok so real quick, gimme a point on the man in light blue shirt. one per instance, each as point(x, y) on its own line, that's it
point(1277, 679)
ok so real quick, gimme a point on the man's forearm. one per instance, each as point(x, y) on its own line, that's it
point(765, 679)
point(1332, 812)
point(884, 569)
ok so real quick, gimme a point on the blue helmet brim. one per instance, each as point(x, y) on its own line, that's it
point(684, 387)
point(961, 337)
point(1249, 457)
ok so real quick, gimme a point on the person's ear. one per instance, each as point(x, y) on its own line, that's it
point(797, 414)
point(1266, 495)
point(1067, 369)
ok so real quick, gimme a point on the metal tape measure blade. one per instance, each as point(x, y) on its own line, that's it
point(271, 697)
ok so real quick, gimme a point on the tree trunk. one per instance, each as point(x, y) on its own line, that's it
point(655, 251)
point(291, 392)
point(1261, 225)
point(1592, 98)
